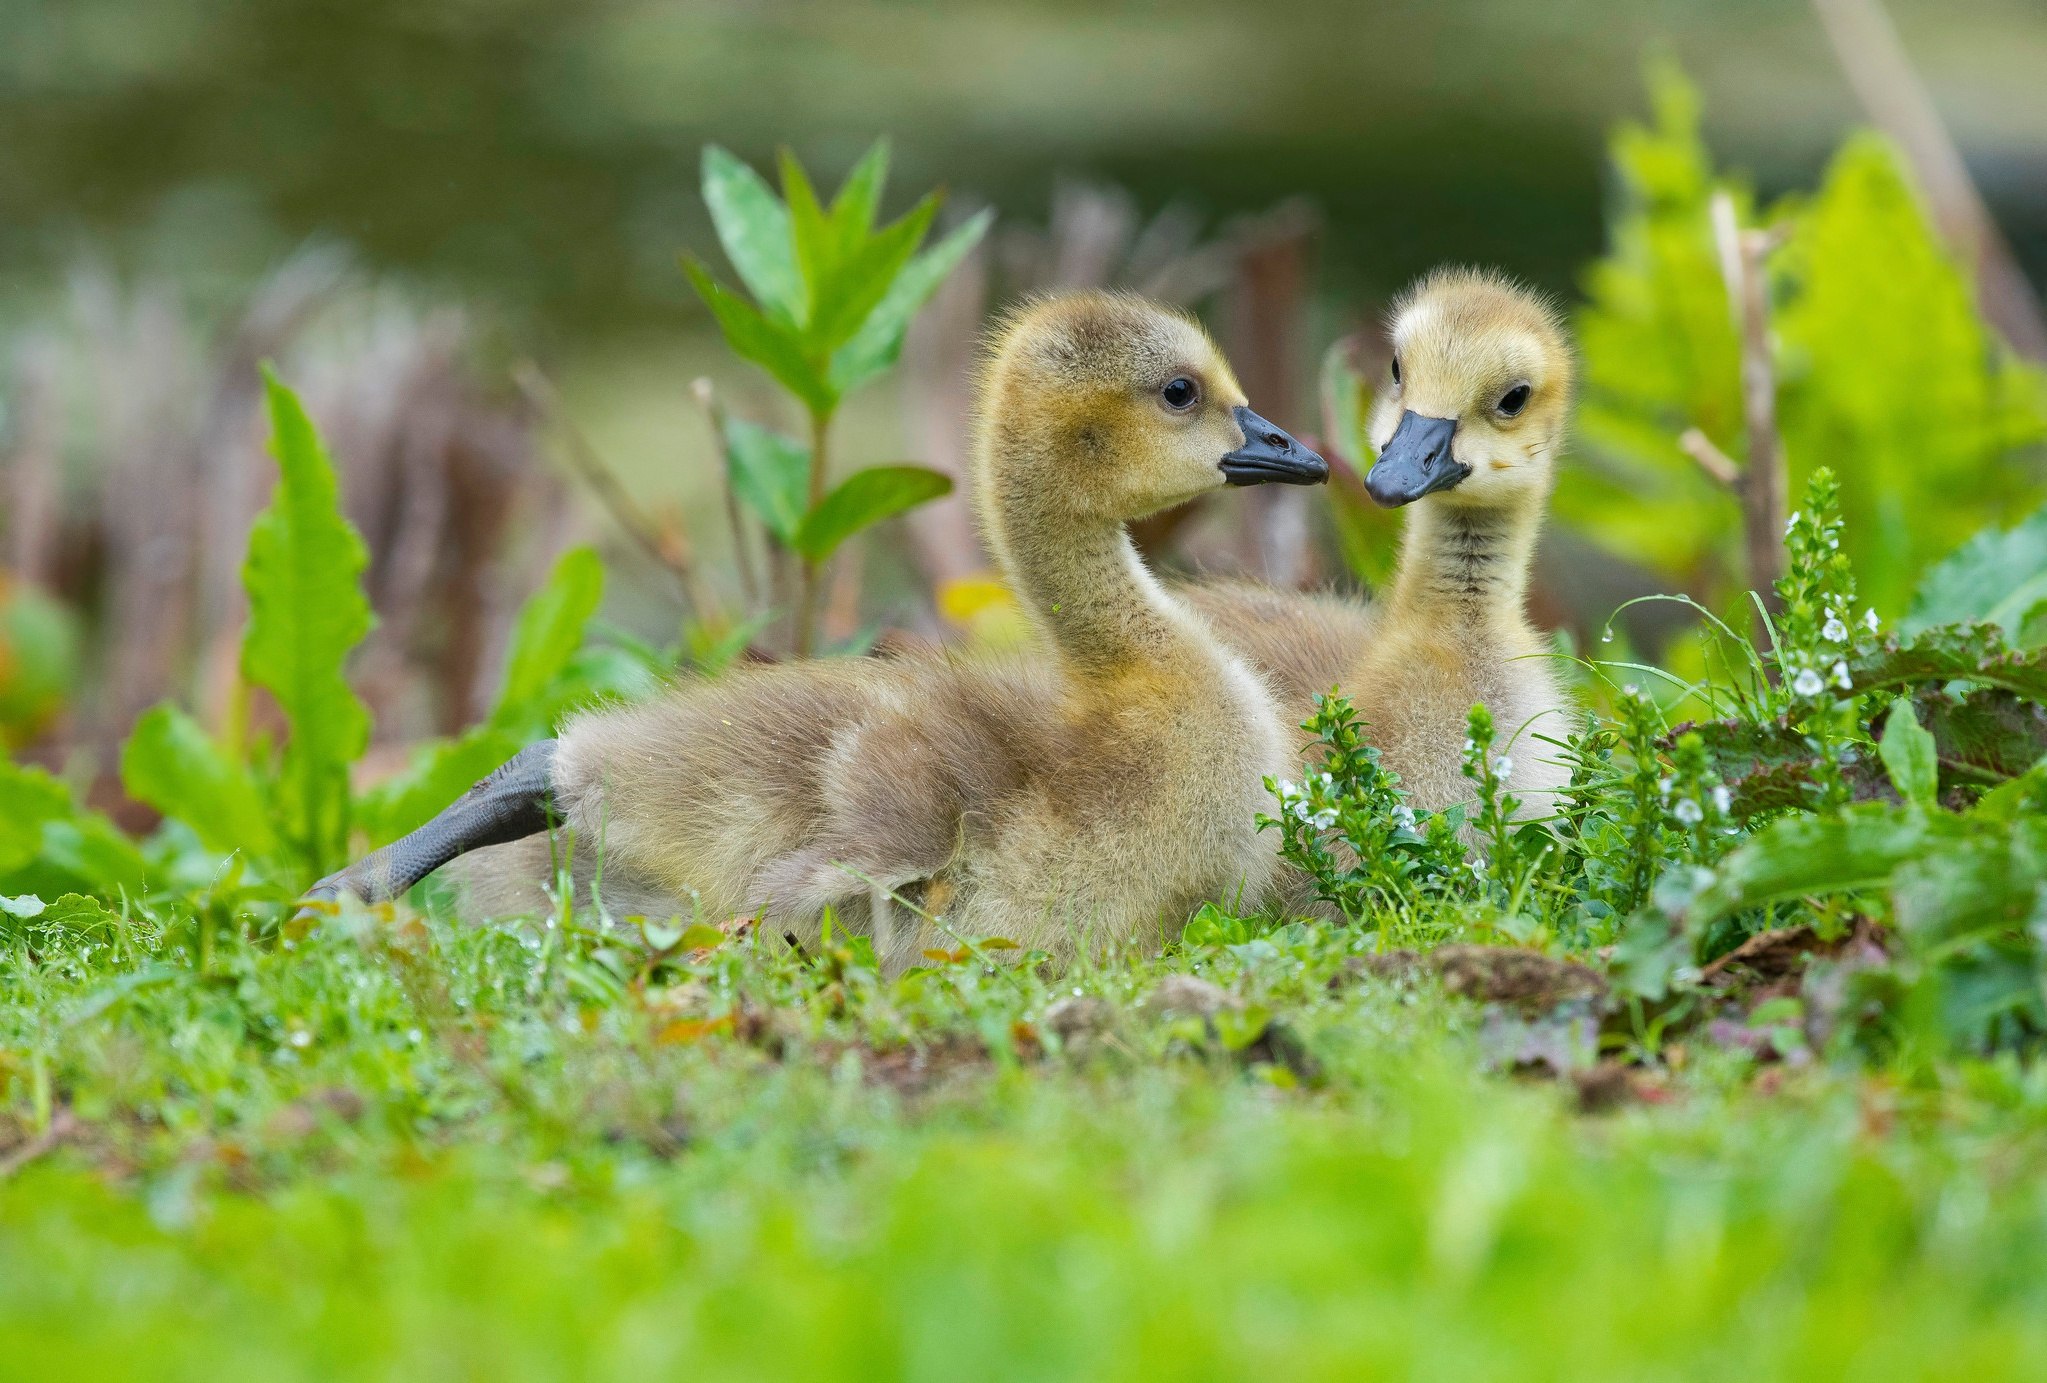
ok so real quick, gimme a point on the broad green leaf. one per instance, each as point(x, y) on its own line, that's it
point(49, 845)
point(306, 612)
point(549, 631)
point(32, 797)
point(438, 774)
point(771, 346)
point(1857, 848)
point(24, 907)
point(770, 473)
point(816, 240)
point(1999, 576)
point(879, 341)
point(753, 226)
point(1908, 752)
point(859, 196)
point(862, 278)
point(89, 854)
point(172, 764)
point(863, 499)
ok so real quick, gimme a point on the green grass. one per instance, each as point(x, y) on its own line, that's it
point(403, 1150)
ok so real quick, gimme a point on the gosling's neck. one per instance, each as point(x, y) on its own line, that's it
point(1463, 566)
point(1083, 579)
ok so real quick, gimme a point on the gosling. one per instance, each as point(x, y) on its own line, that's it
point(1467, 431)
point(1092, 798)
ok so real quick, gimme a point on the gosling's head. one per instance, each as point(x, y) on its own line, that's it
point(1480, 391)
point(1103, 407)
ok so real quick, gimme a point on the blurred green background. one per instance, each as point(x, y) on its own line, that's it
point(538, 156)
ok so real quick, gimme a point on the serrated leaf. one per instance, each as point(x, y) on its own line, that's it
point(753, 226)
point(72, 914)
point(1997, 577)
point(770, 345)
point(861, 278)
point(1908, 752)
point(1970, 652)
point(1897, 379)
point(549, 631)
point(770, 473)
point(879, 342)
point(172, 764)
point(306, 612)
point(863, 499)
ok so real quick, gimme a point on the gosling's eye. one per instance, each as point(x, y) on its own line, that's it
point(1180, 393)
point(1396, 369)
point(1514, 400)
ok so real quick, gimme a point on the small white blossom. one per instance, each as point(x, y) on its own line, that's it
point(1869, 620)
point(1324, 819)
point(1807, 683)
point(1403, 817)
point(1470, 745)
point(1628, 689)
point(1504, 766)
point(1663, 787)
point(1688, 811)
point(301, 1038)
point(1288, 789)
point(1791, 523)
point(1834, 631)
point(1723, 800)
point(1841, 677)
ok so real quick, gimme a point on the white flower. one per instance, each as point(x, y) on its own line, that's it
point(1723, 800)
point(1807, 683)
point(1834, 631)
point(1688, 811)
point(1628, 689)
point(1470, 745)
point(1403, 817)
point(1288, 789)
point(1841, 677)
point(1504, 766)
point(1869, 621)
point(1324, 819)
point(1791, 523)
point(1664, 786)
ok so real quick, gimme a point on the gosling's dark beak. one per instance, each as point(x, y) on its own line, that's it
point(1270, 455)
point(1416, 462)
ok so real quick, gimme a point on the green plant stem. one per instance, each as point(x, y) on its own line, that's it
point(806, 600)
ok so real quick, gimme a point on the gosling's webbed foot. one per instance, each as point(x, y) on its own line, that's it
point(513, 802)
